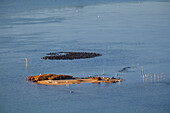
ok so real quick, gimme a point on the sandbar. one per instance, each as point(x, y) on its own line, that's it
point(53, 79)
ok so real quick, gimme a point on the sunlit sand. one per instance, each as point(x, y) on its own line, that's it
point(53, 79)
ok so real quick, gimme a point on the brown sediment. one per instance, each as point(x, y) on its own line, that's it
point(67, 80)
point(70, 55)
point(42, 77)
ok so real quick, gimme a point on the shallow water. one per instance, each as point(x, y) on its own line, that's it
point(131, 33)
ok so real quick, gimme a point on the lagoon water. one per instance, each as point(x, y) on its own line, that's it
point(134, 33)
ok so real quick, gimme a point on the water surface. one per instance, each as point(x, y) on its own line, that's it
point(132, 33)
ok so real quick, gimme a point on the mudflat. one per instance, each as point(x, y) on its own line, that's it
point(70, 55)
point(53, 79)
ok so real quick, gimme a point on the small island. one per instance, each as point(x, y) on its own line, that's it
point(53, 79)
point(70, 55)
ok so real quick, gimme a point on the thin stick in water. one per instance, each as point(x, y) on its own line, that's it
point(158, 77)
point(163, 76)
point(151, 78)
point(26, 62)
point(154, 77)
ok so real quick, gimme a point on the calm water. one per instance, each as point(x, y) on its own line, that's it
point(134, 33)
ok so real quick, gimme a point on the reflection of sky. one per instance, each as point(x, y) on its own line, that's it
point(115, 19)
point(12, 6)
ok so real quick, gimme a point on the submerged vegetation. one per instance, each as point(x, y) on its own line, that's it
point(70, 55)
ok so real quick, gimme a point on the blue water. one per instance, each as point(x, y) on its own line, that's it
point(133, 33)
